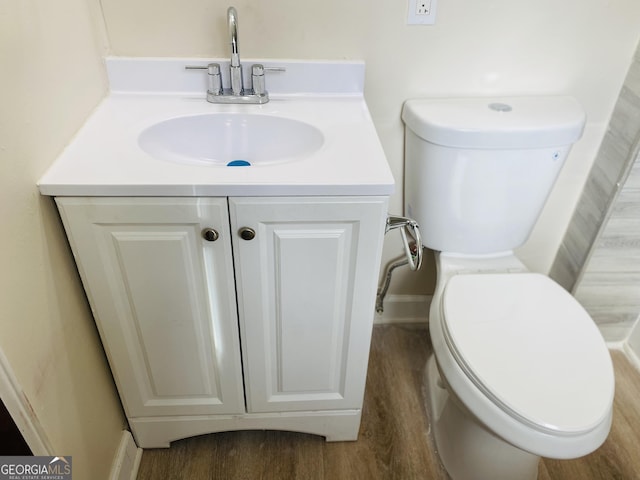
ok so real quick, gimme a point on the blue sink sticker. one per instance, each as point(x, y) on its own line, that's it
point(238, 163)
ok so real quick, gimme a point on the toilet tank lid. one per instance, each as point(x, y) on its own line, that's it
point(496, 122)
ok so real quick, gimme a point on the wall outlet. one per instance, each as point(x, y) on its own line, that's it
point(423, 7)
point(421, 12)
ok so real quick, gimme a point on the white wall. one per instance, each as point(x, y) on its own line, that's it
point(51, 80)
point(576, 47)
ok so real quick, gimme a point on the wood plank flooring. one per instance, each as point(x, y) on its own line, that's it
point(394, 441)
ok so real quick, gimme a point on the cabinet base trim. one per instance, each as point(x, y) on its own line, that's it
point(159, 432)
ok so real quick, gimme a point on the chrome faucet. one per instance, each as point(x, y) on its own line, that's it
point(236, 93)
point(235, 69)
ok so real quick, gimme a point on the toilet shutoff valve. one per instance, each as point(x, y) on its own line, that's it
point(412, 251)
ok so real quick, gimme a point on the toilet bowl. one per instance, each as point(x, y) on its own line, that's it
point(519, 370)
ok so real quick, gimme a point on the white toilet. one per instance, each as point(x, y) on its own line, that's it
point(519, 369)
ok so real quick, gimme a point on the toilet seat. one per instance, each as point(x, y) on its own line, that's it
point(530, 348)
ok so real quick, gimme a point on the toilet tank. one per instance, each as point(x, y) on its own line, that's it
point(478, 171)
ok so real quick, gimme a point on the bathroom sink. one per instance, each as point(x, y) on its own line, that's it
point(155, 135)
point(230, 139)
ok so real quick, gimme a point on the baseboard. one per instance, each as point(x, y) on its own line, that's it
point(404, 309)
point(127, 459)
point(631, 354)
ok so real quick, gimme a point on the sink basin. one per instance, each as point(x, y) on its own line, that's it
point(230, 139)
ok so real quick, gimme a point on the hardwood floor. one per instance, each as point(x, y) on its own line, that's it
point(394, 441)
point(619, 456)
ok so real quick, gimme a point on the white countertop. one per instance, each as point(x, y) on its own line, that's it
point(104, 158)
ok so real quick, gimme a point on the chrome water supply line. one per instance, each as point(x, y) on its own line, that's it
point(413, 253)
point(404, 224)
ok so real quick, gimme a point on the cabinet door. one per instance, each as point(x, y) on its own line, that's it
point(306, 293)
point(163, 299)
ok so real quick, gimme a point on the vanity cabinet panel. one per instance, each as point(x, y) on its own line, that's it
point(264, 325)
point(306, 285)
point(163, 300)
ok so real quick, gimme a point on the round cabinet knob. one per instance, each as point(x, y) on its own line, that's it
point(247, 233)
point(210, 235)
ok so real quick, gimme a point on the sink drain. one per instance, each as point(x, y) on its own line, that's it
point(238, 163)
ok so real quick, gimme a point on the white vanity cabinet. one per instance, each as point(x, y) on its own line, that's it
point(232, 313)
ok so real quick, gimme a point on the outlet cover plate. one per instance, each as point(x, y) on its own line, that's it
point(421, 12)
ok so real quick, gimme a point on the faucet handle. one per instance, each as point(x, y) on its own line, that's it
point(214, 84)
point(214, 79)
point(257, 79)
